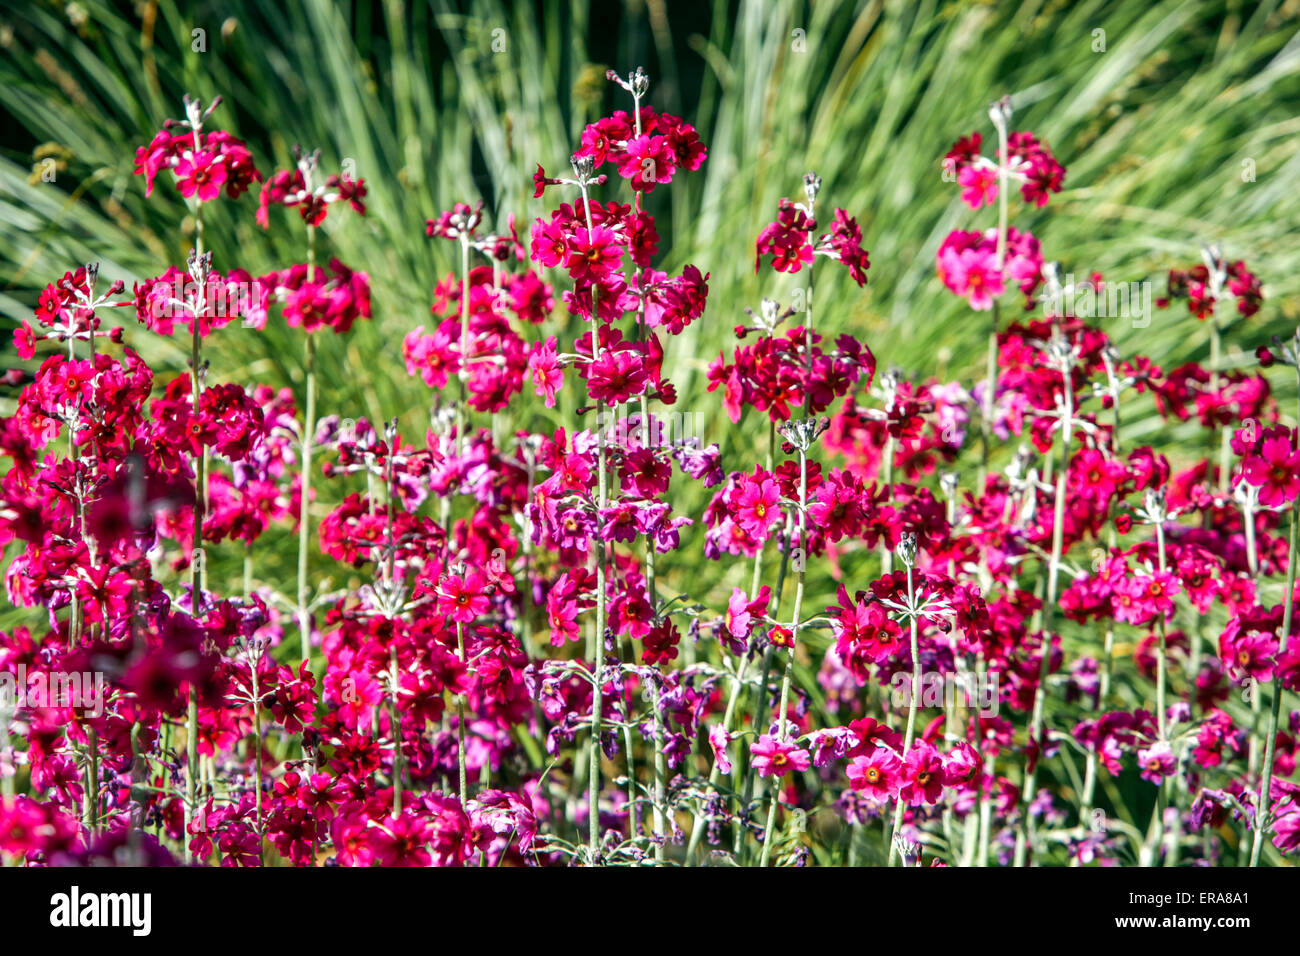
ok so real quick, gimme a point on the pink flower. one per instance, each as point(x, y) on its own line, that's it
point(844, 242)
point(550, 245)
point(647, 162)
point(152, 159)
point(202, 173)
point(24, 341)
point(922, 774)
point(1275, 470)
point(600, 139)
point(220, 160)
point(758, 506)
point(1041, 171)
point(545, 370)
point(862, 627)
point(464, 599)
point(718, 740)
point(981, 185)
point(772, 757)
point(1250, 655)
point(972, 273)
point(616, 376)
point(877, 774)
point(401, 840)
point(1139, 598)
point(743, 614)
point(1157, 762)
point(591, 255)
point(786, 240)
point(967, 264)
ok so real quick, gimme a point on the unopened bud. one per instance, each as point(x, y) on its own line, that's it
point(906, 549)
point(812, 185)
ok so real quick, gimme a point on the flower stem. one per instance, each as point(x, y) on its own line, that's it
point(991, 378)
point(782, 732)
point(1216, 384)
point(1026, 832)
point(460, 720)
point(462, 407)
point(602, 556)
point(991, 386)
point(90, 802)
point(1270, 739)
point(738, 685)
point(912, 707)
point(395, 728)
point(660, 775)
point(196, 547)
point(257, 755)
point(304, 490)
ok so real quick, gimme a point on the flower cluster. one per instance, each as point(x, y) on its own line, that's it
point(501, 649)
point(204, 164)
point(1024, 159)
point(789, 241)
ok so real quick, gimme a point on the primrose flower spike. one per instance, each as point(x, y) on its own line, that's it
point(552, 598)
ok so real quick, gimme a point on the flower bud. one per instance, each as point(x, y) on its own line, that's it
point(906, 549)
point(812, 185)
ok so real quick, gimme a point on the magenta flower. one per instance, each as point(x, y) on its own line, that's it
point(591, 255)
point(464, 598)
point(545, 370)
point(972, 273)
point(718, 740)
point(201, 174)
point(877, 774)
point(773, 757)
point(647, 162)
point(980, 185)
point(786, 240)
point(616, 377)
point(758, 506)
point(922, 775)
point(742, 613)
point(1275, 470)
point(1157, 762)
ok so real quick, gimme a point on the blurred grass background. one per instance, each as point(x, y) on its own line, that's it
point(1157, 109)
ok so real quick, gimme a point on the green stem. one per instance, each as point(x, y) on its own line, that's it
point(462, 407)
point(196, 556)
point(1108, 645)
point(660, 760)
point(308, 440)
point(395, 728)
point(90, 801)
point(991, 378)
point(602, 556)
point(991, 386)
point(728, 717)
point(912, 707)
point(1270, 739)
point(257, 756)
point(782, 728)
point(745, 769)
point(460, 720)
point(1026, 832)
point(1225, 449)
